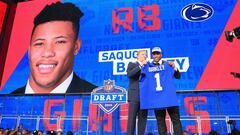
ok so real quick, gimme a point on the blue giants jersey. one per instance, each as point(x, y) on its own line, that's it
point(157, 88)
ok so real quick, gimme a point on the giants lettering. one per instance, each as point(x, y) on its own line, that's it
point(189, 108)
point(48, 104)
point(77, 112)
point(98, 118)
point(123, 117)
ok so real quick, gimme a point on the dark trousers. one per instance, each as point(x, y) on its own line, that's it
point(133, 112)
point(175, 118)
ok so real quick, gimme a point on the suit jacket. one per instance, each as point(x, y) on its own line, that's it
point(77, 85)
point(133, 73)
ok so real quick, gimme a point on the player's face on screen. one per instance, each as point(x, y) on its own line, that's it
point(157, 57)
point(51, 55)
point(142, 56)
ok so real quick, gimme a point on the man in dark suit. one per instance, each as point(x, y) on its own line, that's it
point(54, 42)
point(172, 111)
point(133, 73)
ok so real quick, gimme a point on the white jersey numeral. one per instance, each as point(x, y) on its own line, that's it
point(157, 77)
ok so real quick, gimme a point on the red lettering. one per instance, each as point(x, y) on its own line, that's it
point(189, 103)
point(142, 18)
point(77, 112)
point(96, 117)
point(108, 124)
point(93, 121)
point(48, 104)
point(123, 117)
point(145, 22)
point(117, 22)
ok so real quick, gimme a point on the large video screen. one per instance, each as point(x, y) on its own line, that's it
point(190, 33)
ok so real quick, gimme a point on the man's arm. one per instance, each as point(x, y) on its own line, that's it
point(133, 69)
point(177, 74)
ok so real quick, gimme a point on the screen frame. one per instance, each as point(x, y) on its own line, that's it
point(6, 32)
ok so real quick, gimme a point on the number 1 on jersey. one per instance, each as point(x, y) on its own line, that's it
point(157, 77)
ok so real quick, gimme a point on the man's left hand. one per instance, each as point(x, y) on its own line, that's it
point(171, 64)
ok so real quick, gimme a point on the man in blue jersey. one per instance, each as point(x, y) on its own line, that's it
point(172, 111)
point(156, 84)
point(133, 73)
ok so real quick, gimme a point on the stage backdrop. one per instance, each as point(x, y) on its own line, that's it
point(111, 33)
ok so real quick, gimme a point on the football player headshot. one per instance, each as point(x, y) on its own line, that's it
point(54, 43)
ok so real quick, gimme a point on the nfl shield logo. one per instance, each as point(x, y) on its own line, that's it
point(108, 84)
point(109, 96)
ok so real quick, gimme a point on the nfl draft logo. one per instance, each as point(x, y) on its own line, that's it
point(109, 96)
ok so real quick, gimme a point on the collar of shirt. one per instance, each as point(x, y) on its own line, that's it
point(62, 88)
point(139, 62)
point(160, 62)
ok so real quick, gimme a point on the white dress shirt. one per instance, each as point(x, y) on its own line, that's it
point(60, 89)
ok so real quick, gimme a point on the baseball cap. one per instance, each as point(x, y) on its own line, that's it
point(156, 49)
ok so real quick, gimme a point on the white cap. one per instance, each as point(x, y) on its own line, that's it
point(156, 49)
